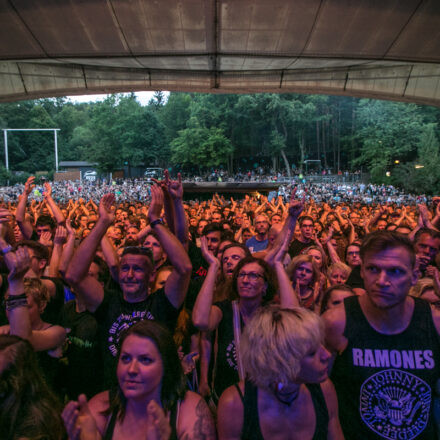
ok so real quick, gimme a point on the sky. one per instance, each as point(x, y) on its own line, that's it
point(143, 97)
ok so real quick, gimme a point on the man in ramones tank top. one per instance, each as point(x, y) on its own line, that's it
point(388, 348)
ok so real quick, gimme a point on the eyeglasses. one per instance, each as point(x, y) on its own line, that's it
point(252, 276)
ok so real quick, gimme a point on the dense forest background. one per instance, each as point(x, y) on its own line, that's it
point(197, 132)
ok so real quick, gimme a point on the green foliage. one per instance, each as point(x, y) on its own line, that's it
point(200, 146)
point(425, 178)
point(390, 131)
point(233, 131)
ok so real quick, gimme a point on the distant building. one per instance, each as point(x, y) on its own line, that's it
point(76, 170)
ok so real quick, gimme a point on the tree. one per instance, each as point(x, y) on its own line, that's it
point(175, 114)
point(389, 131)
point(422, 175)
point(203, 146)
point(158, 100)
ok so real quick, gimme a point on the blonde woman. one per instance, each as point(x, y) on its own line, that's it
point(287, 387)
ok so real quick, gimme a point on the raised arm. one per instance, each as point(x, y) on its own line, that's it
point(376, 217)
point(111, 257)
point(294, 211)
point(288, 297)
point(334, 257)
point(68, 250)
point(205, 316)
point(18, 312)
point(175, 189)
point(89, 288)
point(168, 205)
point(58, 242)
point(275, 258)
point(56, 211)
point(20, 214)
point(177, 283)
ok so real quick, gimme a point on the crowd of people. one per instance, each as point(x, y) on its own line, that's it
point(312, 314)
point(138, 189)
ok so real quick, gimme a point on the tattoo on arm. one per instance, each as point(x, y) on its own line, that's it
point(204, 428)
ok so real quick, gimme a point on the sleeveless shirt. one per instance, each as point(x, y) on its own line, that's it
point(251, 420)
point(385, 382)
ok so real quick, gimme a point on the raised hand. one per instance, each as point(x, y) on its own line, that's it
point(69, 228)
point(188, 360)
point(158, 425)
point(5, 215)
point(175, 187)
point(156, 203)
point(18, 263)
point(106, 208)
point(79, 421)
point(329, 236)
point(60, 235)
point(422, 262)
point(47, 190)
point(296, 206)
point(46, 238)
point(29, 185)
point(207, 254)
point(423, 210)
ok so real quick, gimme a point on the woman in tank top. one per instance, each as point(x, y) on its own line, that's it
point(287, 393)
point(150, 401)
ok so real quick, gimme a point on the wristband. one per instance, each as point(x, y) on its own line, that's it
point(5, 250)
point(158, 221)
point(14, 301)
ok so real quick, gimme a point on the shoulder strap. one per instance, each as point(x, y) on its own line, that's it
point(251, 419)
point(174, 420)
point(239, 392)
point(108, 435)
point(237, 334)
point(321, 411)
point(422, 316)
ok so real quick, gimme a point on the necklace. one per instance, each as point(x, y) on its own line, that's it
point(284, 396)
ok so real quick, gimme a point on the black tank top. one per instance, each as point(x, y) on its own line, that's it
point(251, 420)
point(108, 435)
point(385, 382)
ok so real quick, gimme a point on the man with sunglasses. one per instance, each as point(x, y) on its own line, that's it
point(116, 311)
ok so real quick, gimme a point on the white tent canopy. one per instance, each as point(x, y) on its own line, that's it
point(371, 48)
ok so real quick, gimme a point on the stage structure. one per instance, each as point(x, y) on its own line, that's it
point(364, 48)
point(5, 135)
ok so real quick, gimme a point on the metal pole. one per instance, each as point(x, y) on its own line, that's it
point(56, 151)
point(5, 132)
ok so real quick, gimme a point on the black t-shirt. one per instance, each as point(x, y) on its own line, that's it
point(115, 315)
point(385, 383)
point(354, 279)
point(53, 308)
point(82, 355)
point(199, 264)
point(193, 290)
point(226, 373)
point(297, 246)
